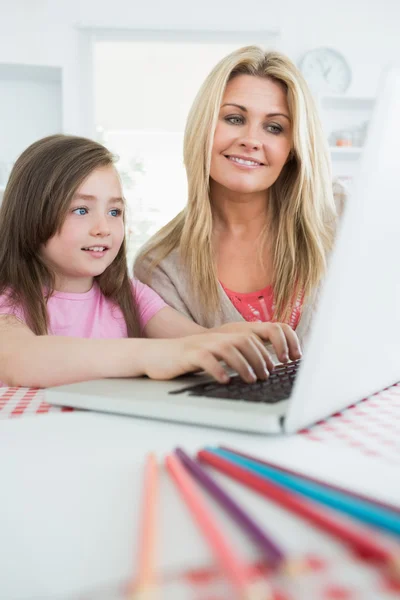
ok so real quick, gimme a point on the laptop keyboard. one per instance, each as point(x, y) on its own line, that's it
point(276, 388)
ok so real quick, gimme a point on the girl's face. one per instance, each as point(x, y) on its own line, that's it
point(253, 137)
point(91, 235)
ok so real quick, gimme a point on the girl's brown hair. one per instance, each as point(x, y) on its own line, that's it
point(36, 200)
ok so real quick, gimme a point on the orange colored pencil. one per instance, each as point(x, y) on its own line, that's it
point(234, 567)
point(145, 583)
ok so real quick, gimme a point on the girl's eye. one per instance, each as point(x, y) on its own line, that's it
point(80, 211)
point(275, 129)
point(234, 119)
point(115, 212)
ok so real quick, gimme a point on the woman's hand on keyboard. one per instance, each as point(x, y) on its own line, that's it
point(282, 337)
point(243, 352)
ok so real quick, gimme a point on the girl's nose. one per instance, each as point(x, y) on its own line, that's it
point(101, 227)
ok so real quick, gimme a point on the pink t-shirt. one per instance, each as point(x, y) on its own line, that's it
point(92, 315)
point(259, 305)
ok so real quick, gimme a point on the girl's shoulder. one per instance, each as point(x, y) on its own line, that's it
point(144, 294)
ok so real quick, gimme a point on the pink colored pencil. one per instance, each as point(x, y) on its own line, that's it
point(145, 583)
point(234, 567)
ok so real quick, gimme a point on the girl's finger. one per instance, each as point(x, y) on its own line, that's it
point(243, 356)
point(206, 361)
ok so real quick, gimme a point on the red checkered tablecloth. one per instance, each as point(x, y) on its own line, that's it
point(371, 426)
point(24, 402)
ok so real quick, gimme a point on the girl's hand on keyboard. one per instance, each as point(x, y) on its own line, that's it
point(243, 352)
point(282, 337)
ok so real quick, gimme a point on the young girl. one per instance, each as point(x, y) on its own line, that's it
point(68, 310)
point(252, 242)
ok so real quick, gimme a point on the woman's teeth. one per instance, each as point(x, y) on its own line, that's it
point(242, 161)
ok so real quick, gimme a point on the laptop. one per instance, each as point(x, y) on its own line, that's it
point(353, 348)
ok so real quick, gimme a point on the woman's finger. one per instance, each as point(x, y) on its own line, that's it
point(267, 357)
point(278, 339)
point(292, 341)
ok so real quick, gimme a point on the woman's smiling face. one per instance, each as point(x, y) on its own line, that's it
point(253, 137)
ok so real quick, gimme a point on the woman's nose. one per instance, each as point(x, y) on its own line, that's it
point(250, 143)
point(250, 139)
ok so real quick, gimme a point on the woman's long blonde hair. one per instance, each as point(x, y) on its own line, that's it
point(300, 202)
point(36, 200)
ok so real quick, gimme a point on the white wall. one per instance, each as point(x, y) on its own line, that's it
point(47, 32)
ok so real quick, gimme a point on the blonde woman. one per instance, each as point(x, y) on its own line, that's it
point(253, 240)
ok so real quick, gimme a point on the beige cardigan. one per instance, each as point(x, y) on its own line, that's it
point(170, 281)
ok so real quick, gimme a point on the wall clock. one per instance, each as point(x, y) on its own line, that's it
point(326, 71)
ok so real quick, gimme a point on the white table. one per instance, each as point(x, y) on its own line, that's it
point(71, 492)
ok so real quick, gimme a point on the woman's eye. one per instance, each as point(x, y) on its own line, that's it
point(234, 119)
point(115, 212)
point(80, 211)
point(276, 129)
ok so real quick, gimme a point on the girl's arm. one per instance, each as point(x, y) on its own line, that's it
point(169, 323)
point(42, 361)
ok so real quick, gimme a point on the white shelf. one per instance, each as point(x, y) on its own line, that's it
point(355, 150)
point(341, 154)
point(22, 72)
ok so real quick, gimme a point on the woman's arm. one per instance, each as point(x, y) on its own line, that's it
point(42, 361)
point(168, 323)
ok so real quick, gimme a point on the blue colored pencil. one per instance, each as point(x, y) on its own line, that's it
point(361, 509)
point(373, 501)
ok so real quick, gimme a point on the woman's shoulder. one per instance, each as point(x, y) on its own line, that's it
point(147, 267)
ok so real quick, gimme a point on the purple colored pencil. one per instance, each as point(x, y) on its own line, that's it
point(269, 548)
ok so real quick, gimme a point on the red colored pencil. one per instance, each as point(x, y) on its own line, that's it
point(361, 541)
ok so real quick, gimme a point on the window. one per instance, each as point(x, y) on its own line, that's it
point(143, 90)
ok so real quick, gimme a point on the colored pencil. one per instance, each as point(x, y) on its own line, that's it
point(145, 586)
point(359, 540)
point(373, 501)
point(268, 547)
point(235, 569)
point(364, 511)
